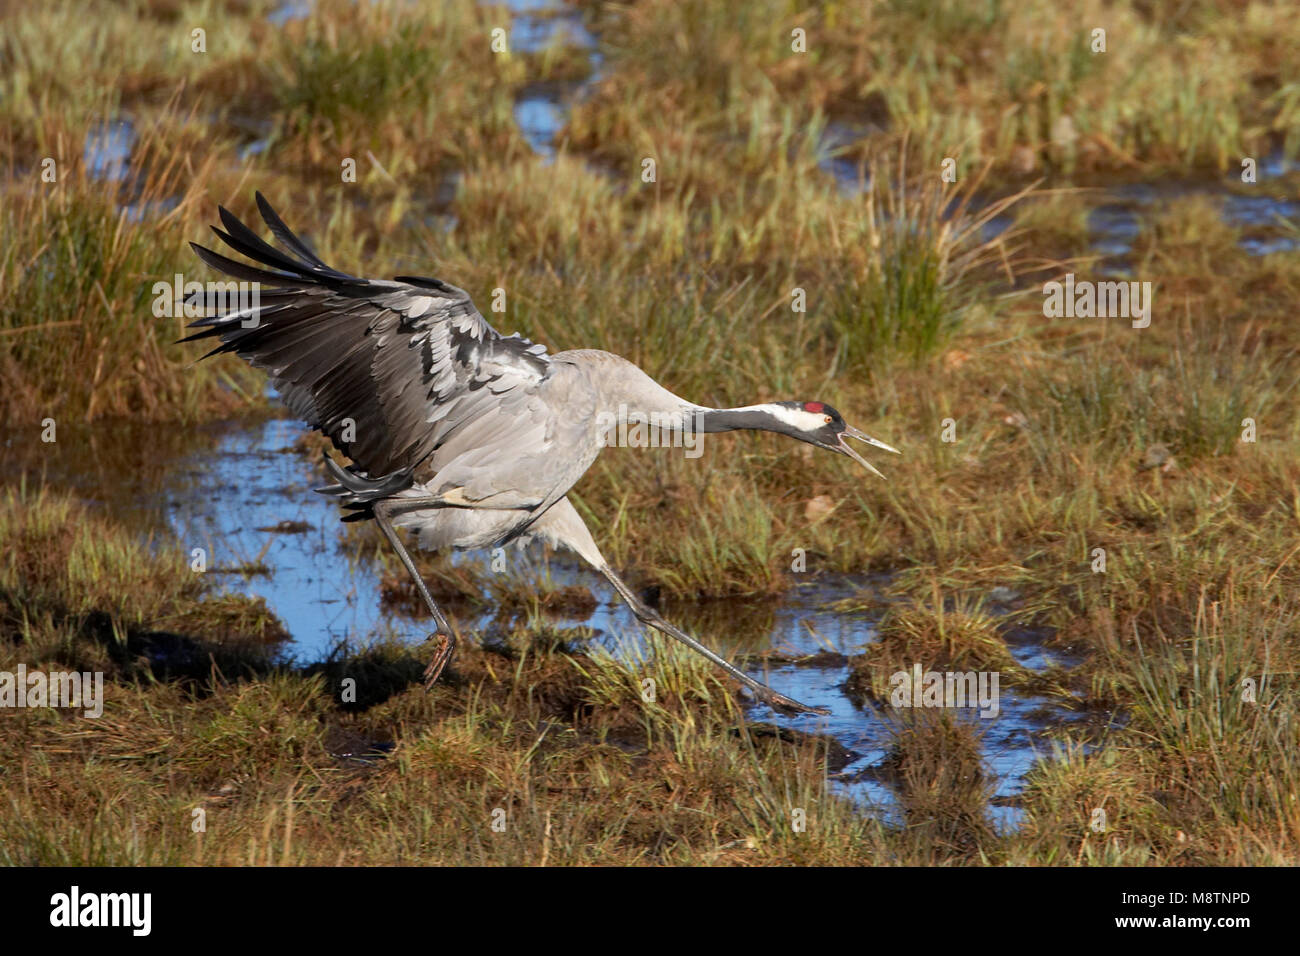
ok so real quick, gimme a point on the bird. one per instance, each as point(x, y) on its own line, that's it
point(461, 436)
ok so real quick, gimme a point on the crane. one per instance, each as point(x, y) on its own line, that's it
point(461, 436)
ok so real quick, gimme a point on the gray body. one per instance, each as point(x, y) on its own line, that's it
point(562, 442)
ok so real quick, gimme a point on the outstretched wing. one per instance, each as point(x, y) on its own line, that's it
point(389, 370)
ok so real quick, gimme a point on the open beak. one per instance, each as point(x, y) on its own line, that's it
point(851, 432)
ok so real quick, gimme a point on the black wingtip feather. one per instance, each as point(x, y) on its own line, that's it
point(241, 270)
point(252, 245)
point(299, 266)
point(287, 235)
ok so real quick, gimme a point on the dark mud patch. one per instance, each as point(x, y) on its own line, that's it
point(569, 602)
point(176, 656)
point(354, 749)
point(397, 593)
point(820, 659)
point(287, 527)
point(837, 755)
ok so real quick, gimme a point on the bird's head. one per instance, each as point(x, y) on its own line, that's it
point(818, 424)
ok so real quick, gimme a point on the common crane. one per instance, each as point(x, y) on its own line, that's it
point(463, 436)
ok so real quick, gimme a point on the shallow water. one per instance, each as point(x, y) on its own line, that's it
point(541, 110)
point(107, 149)
point(242, 492)
point(1120, 211)
point(290, 10)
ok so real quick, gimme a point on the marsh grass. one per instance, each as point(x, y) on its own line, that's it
point(928, 271)
point(407, 91)
point(74, 587)
point(937, 768)
point(1069, 436)
point(1014, 84)
point(1057, 219)
point(957, 639)
point(581, 768)
point(79, 339)
point(1202, 770)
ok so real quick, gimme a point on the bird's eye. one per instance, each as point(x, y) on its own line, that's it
point(829, 419)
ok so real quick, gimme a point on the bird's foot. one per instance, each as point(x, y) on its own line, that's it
point(788, 705)
point(441, 655)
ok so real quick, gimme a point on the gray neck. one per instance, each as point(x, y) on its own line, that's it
point(626, 390)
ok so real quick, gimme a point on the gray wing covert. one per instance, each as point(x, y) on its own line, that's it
point(526, 447)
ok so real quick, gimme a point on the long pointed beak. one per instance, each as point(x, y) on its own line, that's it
point(851, 432)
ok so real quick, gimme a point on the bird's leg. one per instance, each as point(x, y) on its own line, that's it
point(447, 640)
point(648, 616)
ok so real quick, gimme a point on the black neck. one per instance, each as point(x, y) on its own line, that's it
point(737, 419)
